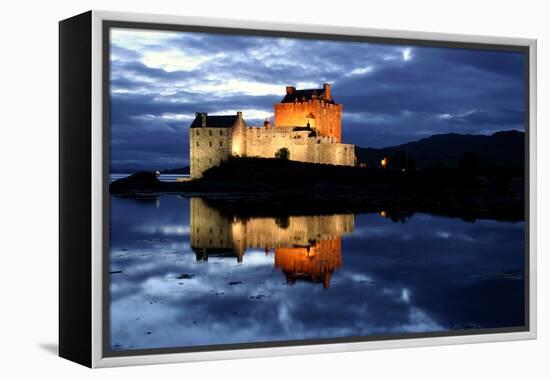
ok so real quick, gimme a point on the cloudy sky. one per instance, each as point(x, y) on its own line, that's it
point(391, 94)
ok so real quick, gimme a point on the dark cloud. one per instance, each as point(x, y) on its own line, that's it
point(391, 94)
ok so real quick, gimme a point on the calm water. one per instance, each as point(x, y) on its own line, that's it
point(163, 177)
point(182, 274)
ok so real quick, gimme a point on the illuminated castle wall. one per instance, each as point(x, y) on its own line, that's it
point(306, 247)
point(306, 122)
point(313, 106)
point(314, 263)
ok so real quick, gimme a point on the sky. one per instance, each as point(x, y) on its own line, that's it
point(391, 94)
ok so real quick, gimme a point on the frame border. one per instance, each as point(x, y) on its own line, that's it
point(101, 24)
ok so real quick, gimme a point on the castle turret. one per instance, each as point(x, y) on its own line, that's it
point(238, 144)
point(267, 124)
point(326, 90)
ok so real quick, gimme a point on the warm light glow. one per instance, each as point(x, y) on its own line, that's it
point(383, 214)
point(384, 162)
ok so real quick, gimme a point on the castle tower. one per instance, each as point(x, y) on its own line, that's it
point(314, 263)
point(314, 106)
point(214, 139)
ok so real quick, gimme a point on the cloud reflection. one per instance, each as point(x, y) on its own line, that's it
point(162, 296)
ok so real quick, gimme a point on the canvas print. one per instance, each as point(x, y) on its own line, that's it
point(285, 190)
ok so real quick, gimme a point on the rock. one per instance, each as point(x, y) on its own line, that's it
point(257, 297)
point(185, 276)
point(141, 181)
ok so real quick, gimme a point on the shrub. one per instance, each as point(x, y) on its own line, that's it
point(282, 153)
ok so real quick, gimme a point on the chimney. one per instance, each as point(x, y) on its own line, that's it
point(326, 90)
point(239, 114)
point(290, 90)
point(267, 124)
point(203, 116)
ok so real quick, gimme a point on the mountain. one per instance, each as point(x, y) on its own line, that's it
point(503, 148)
point(176, 171)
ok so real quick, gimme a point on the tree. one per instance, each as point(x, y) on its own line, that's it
point(468, 168)
point(282, 153)
point(469, 163)
point(401, 160)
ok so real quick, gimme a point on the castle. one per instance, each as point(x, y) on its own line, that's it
point(306, 122)
point(306, 248)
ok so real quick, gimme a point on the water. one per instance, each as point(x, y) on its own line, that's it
point(183, 274)
point(162, 177)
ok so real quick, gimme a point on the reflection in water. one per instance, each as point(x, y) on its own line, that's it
point(185, 274)
point(305, 247)
point(313, 263)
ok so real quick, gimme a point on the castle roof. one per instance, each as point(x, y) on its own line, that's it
point(313, 132)
point(301, 95)
point(215, 120)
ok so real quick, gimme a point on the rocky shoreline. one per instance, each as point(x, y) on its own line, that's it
point(273, 187)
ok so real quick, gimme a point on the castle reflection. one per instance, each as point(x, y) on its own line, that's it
point(306, 247)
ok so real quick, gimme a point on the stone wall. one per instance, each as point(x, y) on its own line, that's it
point(266, 142)
point(208, 147)
point(315, 263)
point(327, 118)
point(211, 231)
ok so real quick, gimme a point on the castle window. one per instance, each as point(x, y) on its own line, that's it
point(198, 160)
point(210, 143)
point(198, 132)
point(209, 132)
point(197, 144)
point(210, 160)
point(221, 132)
point(221, 143)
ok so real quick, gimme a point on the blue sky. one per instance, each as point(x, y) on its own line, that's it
point(391, 94)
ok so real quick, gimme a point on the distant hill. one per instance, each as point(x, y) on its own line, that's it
point(504, 148)
point(176, 171)
point(280, 187)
